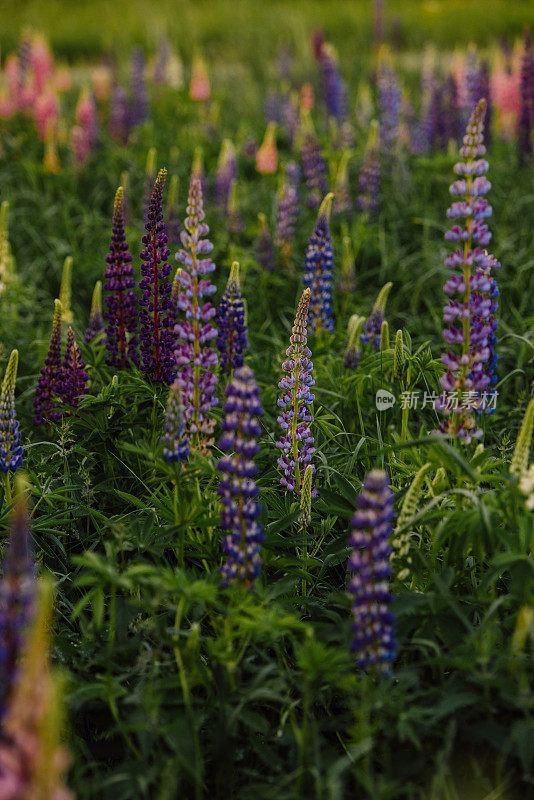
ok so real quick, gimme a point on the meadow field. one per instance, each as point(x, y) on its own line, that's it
point(267, 400)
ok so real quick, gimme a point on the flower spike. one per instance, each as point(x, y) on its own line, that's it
point(10, 441)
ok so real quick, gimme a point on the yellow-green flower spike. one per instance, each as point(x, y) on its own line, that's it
point(173, 191)
point(384, 336)
point(398, 356)
point(519, 462)
point(306, 497)
point(65, 291)
point(96, 301)
point(381, 300)
point(401, 539)
point(198, 162)
point(150, 167)
point(7, 262)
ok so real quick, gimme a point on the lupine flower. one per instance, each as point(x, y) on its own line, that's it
point(45, 406)
point(173, 222)
point(526, 94)
point(86, 116)
point(384, 336)
point(389, 100)
point(335, 90)
point(370, 568)
point(119, 115)
point(65, 291)
point(373, 325)
point(296, 442)
point(313, 165)
point(290, 115)
point(342, 202)
point(32, 760)
point(42, 62)
point(267, 155)
point(195, 357)
point(369, 180)
point(353, 353)
point(80, 146)
point(398, 356)
point(526, 487)
point(121, 303)
point(46, 113)
point(17, 595)
point(73, 374)
point(50, 160)
point(139, 104)
point(520, 457)
point(318, 266)
point(232, 339)
point(288, 210)
point(96, 319)
point(264, 246)
point(7, 261)
point(10, 441)
point(505, 92)
point(306, 98)
point(470, 362)
point(174, 440)
point(225, 175)
point(237, 488)
point(156, 335)
point(199, 88)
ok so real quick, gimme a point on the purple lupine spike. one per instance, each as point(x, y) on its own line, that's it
point(313, 166)
point(296, 442)
point(470, 316)
point(369, 180)
point(373, 325)
point(237, 488)
point(389, 100)
point(174, 441)
point(264, 246)
point(290, 116)
point(73, 375)
point(232, 339)
point(335, 90)
point(525, 124)
point(119, 115)
point(225, 175)
point(195, 357)
point(121, 303)
point(45, 403)
point(10, 440)
point(273, 108)
point(139, 103)
point(17, 595)
point(318, 271)
point(96, 318)
point(370, 568)
point(157, 339)
point(288, 210)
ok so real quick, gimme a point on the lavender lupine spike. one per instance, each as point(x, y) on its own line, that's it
point(195, 357)
point(225, 175)
point(73, 375)
point(318, 267)
point(296, 442)
point(121, 303)
point(10, 441)
point(370, 568)
point(264, 246)
point(470, 362)
point(139, 105)
point(373, 325)
point(17, 594)
point(525, 125)
point(335, 90)
point(288, 210)
point(45, 403)
point(389, 99)
point(237, 488)
point(313, 165)
point(369, 180)
point(119, 115)
point(174, 440)
point(232, 339)
point(156, 318)
point(96, 319)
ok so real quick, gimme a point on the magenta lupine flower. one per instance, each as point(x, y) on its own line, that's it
point(318, 266)
point(174, 441)
point(157, 338)
point(296, 442)
point(313, 166)
point(195, 357)
point(288, 210)
point(470, 316)
point(525, 124)
point(45, 403)
point(369, 180)
point(389, 101)
point(370, 568)
point(17, 597)
point(237, 488)
point(232, 339)
point(73, 375)
point(10, 440)
point(121, 303)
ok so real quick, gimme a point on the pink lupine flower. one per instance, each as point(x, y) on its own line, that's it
point(199, 88)
point(46, 113)
point(42, 63)
point(86, 116)
point(267, 155)
point(12, 74)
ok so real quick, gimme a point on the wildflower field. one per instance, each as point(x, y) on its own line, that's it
point(267, 400)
